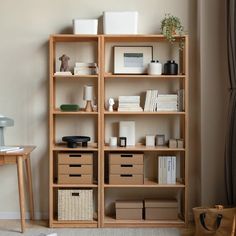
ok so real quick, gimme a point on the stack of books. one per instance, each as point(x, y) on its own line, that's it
point(129, 103)
point(167, 102)
point(84, 68)
point(167, 169)
point(151, 100)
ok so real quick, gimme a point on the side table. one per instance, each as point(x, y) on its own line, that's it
point(18, 157)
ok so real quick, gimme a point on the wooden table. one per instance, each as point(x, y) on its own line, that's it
point(19, 158)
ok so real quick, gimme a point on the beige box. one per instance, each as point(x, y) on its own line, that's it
point(125, 158)
point(180, 143)
point(75, 179)
point(172, 143)
point(126, 179)
point(75, 169)
point(129, 210)
point(161, 209)
point(126, 169)
point(75, 158)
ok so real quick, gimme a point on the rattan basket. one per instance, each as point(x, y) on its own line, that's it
point(75, 204)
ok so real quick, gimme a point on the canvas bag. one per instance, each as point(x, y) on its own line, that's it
point(216, 221)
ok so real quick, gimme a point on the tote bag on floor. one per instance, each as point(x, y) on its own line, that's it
point(216, 221)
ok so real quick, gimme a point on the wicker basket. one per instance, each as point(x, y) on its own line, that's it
point(75, 204)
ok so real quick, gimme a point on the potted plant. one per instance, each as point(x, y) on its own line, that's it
point(170, 26)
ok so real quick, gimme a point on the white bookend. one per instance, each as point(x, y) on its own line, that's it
point(168, 178)
point(160, 168)
point(173, 172)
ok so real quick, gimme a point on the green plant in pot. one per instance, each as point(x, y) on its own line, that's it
point(170, 26)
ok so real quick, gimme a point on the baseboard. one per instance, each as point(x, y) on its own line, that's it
point(16, 215)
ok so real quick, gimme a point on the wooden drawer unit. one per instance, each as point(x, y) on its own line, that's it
point(75, 168)
point(126, 169)
point(125, 158)
point(125, 179)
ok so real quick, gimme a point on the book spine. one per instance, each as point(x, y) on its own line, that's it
point(173, 172)
point(164, 171)
point(160, 167)
point(169, 170)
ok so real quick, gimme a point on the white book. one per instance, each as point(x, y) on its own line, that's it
point(160, 167)
point(152, 100)
point(155, 100)
point(169, 170)
point(85, 64)
point(130, 109)
point(147, 101)
point(173, 172)
point(164, 170)
point(129, 98)
point(63, 73)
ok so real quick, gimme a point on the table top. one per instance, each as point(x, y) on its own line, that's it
point(26, 151)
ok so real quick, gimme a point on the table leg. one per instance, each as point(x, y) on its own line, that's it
point(21, 191)
point(30, 188)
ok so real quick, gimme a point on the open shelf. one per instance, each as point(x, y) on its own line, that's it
point(121, 76)
point(63, 147)
point(80, 112)
point(142, 147)
point(74, 38)
point(74, 223)
point(112, 222)
point(74, 76)
point(144, 113)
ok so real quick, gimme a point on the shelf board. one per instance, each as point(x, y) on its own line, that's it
point(125, 76)
point(73, 38)
point(80, 112)
point(74, 223)
point(74, 76)
point(144, 113)
point(147, 184)
point(112, 222)
point(75, 185)
point(63, 147)
point(141, 147)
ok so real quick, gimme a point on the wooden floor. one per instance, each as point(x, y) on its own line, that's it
point(36, 228)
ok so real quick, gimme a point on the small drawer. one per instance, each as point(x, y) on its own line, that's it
point(126, 169)
point(125, 158)
point(75, 158)
point(75, 179)
point(75, 169)
point(126, 179)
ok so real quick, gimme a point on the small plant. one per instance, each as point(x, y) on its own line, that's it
point(170, 26)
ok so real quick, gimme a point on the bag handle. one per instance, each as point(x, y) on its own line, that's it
point(218, 221)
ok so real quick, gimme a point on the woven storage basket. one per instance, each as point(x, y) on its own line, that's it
point(75, 204)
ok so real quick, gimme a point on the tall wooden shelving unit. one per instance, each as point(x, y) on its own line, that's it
point(107, 84)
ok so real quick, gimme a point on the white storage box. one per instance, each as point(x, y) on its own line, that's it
point(75, 204)
point(124, 22)
point(85, 26)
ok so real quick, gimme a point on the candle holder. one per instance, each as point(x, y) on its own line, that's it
point(88, 97)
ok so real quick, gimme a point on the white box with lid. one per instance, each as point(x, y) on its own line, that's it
point(85, 26)
point(120, 22)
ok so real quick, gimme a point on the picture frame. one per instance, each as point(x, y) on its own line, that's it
point(132, 59)
point(160, 140)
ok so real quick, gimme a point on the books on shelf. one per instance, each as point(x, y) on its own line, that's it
point(83, 68)
point(8, 149)
point(167, 169)
point(129, 103)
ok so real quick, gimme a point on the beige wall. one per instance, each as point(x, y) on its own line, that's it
point(25, 28)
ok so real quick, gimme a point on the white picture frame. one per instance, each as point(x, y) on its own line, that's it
point(127, 129)
point(132, 59)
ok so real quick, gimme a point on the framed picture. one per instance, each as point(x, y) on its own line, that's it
point(160, 140)
point(132, 59)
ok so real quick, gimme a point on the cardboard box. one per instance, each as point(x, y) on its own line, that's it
point(125, 158)
point(123, 22)
point(161, 209)
point(172, 143)
point(129, 210)
point(180, 143)
point(75, 158)
point(126, 169)
point(75, 179)
point(75, 169)
point(126, 179)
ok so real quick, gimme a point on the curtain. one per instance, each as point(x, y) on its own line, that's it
point(230, 151)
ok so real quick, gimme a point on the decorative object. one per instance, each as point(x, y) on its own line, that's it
point(122, 141)
point(111, 103)
point(113, 141)
point(180, 143)
point(85, 26)
point(132, 59)
point(154, 68)
point(64, 62)
point(160, 140)
point(150, 140)
point(4, 122)
point(72, 141)
point(78, 202)
point(127, 129)
point(123, 22)
point(171, 68)
point(172, 143)
point(69, 107)
point(88, 97)
point(170, 26)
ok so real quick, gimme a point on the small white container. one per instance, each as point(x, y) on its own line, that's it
point(123, 22)
point(150, 141)
point(85, 26)
point(113, 141)
point(154, 68)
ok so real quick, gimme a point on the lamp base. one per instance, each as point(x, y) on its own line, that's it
point(88, 107)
